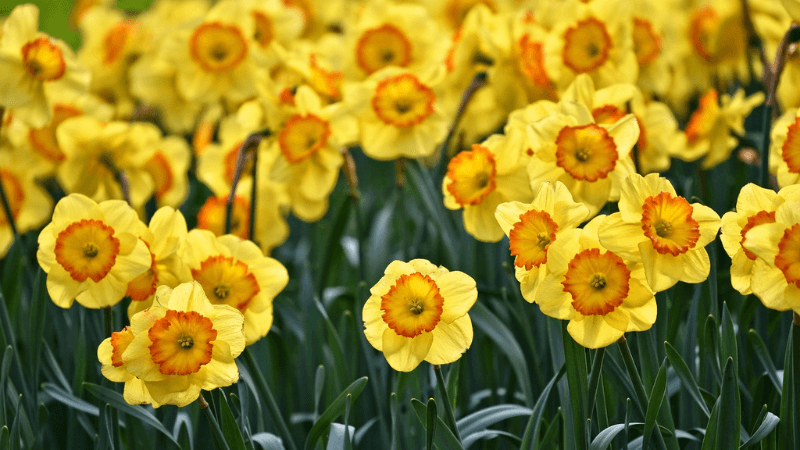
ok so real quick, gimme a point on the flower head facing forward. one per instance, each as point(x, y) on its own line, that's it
point(177, 347)
point(417, 312)
point(91, 252)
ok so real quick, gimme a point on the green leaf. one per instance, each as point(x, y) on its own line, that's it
point(348, 444)
point(769, 423)
point(605, 437)
point(728, 429)
point(432, 200)
point(105, 438)
point(62, 396)
point(487, 417)
point(115, 399)
point(334, 410)
point(444, 438)
point(430, 427)
point(710, 439)
point(594, 377)
point(727, 347)
point(452, 382)
point(230, 429)
point(337, 438)
point(5, 438)
point(786, 432)
point(654, 404)
point(499, 333)
point(5, 367)
point(268, 441)
point(529, 439)
point(685, 375)
point(575, 357)
point(760, 349)
point(319, 383)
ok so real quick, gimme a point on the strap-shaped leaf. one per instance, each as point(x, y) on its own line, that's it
point(334, 410)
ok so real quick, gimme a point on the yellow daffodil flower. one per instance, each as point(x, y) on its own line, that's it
point(30, 205)
point(417, 312)
point(169, 167)
point(480, 179)
point(91, 252)
point(109, 353)
point(398, 114)
point(602, 294)
point(777, 270)
point(755, 206)
point(591, 159)
point(235, 272)
point(708, 132)
point(34, 65)
point(164, 236)
point(661, 230)
point(180, 345)
point(785, 148)
point(532, 229)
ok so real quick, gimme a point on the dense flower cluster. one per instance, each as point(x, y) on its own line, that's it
point(550, 120)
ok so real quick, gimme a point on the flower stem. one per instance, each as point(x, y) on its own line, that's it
point(119, 175)
point(638, 386)
point(216, 431)
point(246, 152)
point(442, 386)
point(351, 176)
point(265, 392)
point(108, 320)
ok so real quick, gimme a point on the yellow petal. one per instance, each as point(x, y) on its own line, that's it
point(755, 198)
point(459, 293)
point(374, 326)
point(769, 284)
point(642, 317)
point(662, 271)
point(139, 362)
point(593, 332)
point(696, 266)
point(621, 237)
point(742, 272)
point(220, 371)
point(190, 297)
point(763, 240)
point(404, 354)
point(62, 288)
point(229, 324)
point(507, 215)
point(175, 391)
point(625, 133)
point(450, 341)
point(709, 222)
point(553, 300)
point(136, 393)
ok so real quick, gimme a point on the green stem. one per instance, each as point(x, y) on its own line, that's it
point(442, 386)
point(108, 320)
point(594, 378)
point(351, 176)
point(265, 392)
point(216, 431)
point(575, 362)
point(795, 399)
point(638, 387)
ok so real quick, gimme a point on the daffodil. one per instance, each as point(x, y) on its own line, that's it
point(755, 206)
point(30, 205)
point(182, 344)
point(785, 148)
point(398, 114)
point(591, 159)
point(91, 251)
point(169, 167)
point(417, 312)
point(532, 229)
point(777, 246)
point(480, 179)
point(34, 65)
point(109, 353)
point(594, 39)
point(94, 150)
point(708, 132)
point(235, 272)
point(661, 230)
point(602, 294)
point(308, 152)
point(164, 236)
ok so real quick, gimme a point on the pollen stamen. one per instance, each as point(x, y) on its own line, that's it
point(185, 341)
point(90, 250)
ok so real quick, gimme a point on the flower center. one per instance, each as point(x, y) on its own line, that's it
point(182, 342)
point(87, 249)
point(226, 281)
point(412, 305)
point(43, 59)
point(403, 101)
point(117, 39)
point(646, 42)
point(119, 343)
point(14, 193)
point(143, 286)
point(217, 47)
point(586, 152)
point(264, 29)
point(759, 218)
point(586, 45)
point(667, 221)
point(213, 213)
point(43, 140)
point(530, 237)
point(791, 147)
point(472, 174)
point(788, 257)
point(159, 168)
point(597, 282)
point(382, 47)
point(717, 39)
point(531, 60)
point(302, 136)
point(703, 119)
